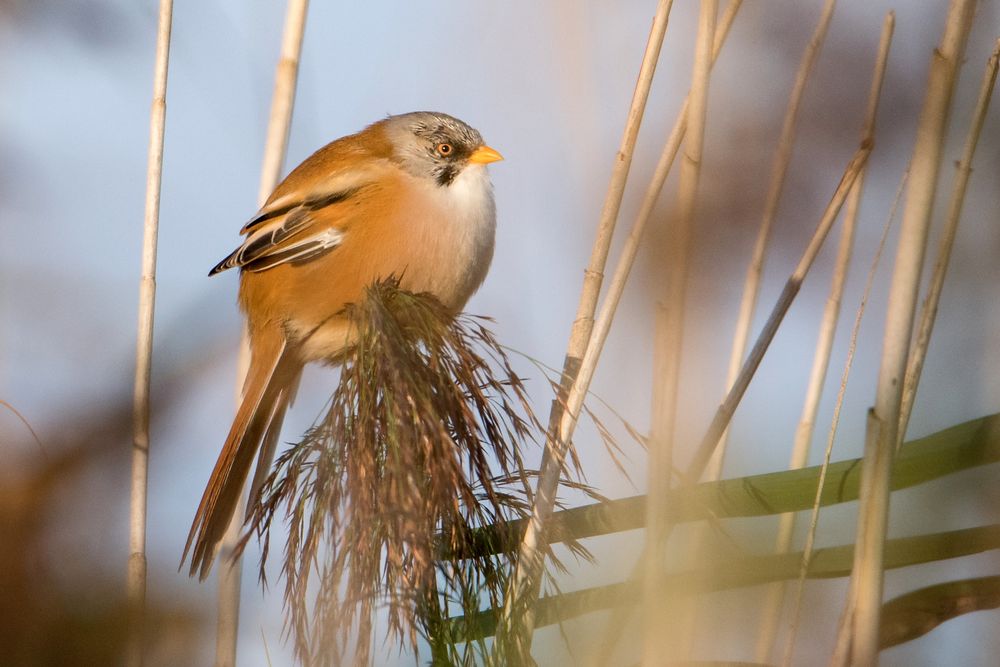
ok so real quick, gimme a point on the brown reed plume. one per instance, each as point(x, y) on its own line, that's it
point(420, 446)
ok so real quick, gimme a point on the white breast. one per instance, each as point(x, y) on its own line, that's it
point(457, 224)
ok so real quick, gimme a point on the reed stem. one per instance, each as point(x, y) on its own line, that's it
point(278, 127)
point(883, 422)
point(136, 582)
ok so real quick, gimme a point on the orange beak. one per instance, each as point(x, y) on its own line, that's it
point(484, 155)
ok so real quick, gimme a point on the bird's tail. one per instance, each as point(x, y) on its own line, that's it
point(270, 386)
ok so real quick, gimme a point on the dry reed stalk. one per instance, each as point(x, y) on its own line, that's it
point(755, 271)
point(883, 423)
point(807, 551)
point(575, 393)
point(915, 362)
point(278, 127)
point(751, 289)
point(930, 306)
point(725, 411)
point(518, 623)
point(136, 583)
point(821, 359)
point(669, 344)
point(724, 414)
point(631, 248)
point(779, 169)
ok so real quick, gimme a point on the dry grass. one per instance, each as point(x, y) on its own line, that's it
point(421, 445)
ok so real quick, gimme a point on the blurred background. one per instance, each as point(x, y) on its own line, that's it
point(549, 86)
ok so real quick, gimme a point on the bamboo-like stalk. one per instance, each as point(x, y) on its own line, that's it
point(807, 550)
point(278, 127)
point(883, 422)
point(755, 271)
point(518, 624)
point(136, 582)
point(771, 610)
point(669, 344)
point(725, 411)
point(724, 414)
point(779, 169)
point(631, 246)
point(929, 310)
point(283, 99)
point(577, 390)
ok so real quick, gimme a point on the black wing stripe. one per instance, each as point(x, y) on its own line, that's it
point(255, 249)
point(293, 255)
point(312, 204)
point(260, 253)
point(264, 217)
point(228, 263)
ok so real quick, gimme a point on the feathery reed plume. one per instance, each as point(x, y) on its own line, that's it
point(420, 445)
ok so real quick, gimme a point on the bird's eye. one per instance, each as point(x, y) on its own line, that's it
point(444, 150)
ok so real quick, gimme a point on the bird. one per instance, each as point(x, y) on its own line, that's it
point(409, 198)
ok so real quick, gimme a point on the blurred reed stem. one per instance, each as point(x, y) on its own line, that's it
point(779, 169)
point(725, 412)
point(839, 404)
point(824, 344)
point(960, 447)
point(518, 622)
point(278, 128)
point(136, 578)
point(668, 344)
point(915, 365)
point(835, 421)
point(883, 422)
point(751, 288)
point(631, 248)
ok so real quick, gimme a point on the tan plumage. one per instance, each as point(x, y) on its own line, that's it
point(388, 201)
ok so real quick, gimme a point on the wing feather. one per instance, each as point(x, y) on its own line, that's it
point(286, 232)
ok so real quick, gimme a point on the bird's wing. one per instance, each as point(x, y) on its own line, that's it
point(294, 230)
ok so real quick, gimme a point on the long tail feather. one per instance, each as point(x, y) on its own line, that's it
point(270, 441)
point(273, 369)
